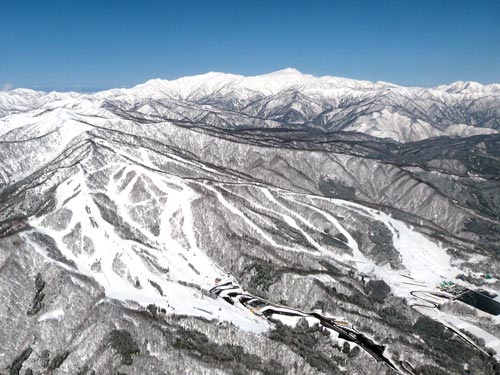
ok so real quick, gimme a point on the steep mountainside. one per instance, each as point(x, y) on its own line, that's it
point(308, 203)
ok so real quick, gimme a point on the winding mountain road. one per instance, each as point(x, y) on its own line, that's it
point(232, 293)
point(429, 303)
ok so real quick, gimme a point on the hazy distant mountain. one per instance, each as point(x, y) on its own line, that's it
point(121, 210)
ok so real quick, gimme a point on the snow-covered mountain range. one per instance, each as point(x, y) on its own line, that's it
point(374, 204)
point(290, 99)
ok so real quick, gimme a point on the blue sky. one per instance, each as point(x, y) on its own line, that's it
point(89, 45)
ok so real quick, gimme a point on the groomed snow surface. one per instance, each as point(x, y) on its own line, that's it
point(172, 271)
point(128, 271)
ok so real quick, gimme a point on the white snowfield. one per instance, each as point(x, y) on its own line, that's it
point(52, 315)
point(162, 274)
point(381, 109)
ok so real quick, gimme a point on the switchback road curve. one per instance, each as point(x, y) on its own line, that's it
point(232, 293)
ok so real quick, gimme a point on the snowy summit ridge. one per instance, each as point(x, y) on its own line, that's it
point(290, 99)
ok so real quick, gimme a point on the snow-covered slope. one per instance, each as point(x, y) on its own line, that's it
point(468, 87)
point(120, 210)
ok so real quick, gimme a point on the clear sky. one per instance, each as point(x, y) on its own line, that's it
point(97, 44)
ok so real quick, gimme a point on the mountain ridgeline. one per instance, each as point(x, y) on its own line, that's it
point(373, 206)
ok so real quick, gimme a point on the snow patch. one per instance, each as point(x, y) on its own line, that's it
point(52, 315)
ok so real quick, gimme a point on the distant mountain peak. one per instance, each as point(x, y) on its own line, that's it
point(288, 97)
point(287, 71)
